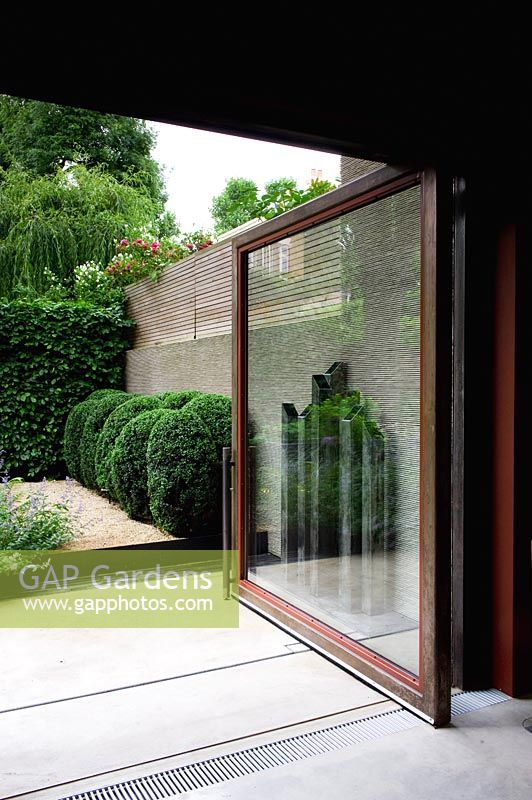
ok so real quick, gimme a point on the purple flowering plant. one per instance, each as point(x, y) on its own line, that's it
point(30, 521)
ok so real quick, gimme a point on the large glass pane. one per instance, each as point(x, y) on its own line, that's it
point(334, 421)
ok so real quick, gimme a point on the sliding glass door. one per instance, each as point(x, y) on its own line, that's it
point(338, 433)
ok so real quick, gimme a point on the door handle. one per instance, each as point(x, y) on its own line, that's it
point(227, 464)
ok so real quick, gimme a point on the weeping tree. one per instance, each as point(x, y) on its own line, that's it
point(51, 223)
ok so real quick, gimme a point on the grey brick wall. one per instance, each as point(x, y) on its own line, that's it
point(203, 364)
point(351, 168)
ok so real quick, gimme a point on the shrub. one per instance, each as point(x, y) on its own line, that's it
point(52, 355)
point(31, 523)
point(128, 464)
point(215, 411)
point(91, 284)
point(137, 258)
point(114, 423)
point(182, 467)
point(176, 400)
point(97, 415)
point(74, 431)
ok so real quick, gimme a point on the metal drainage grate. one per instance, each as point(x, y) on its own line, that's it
point(217, 770)
point(464, 702)
point(176, 781)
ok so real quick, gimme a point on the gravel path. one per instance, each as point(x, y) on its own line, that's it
point(98, 523)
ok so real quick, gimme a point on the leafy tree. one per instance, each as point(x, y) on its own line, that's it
point(316, 188)
point(283, 194)
point(280, 194)
point(42, 137)
point(235, 205)
point(239, 202)
point(280, 185)
point(50, 224)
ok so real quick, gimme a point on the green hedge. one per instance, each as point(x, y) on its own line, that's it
point(215, 411)
point(159, 463)
point(112, 429)
point(129, 469)
point(52, 355)
point(176, 400)
point(97, 415)
point(74, 431)
point(182, 473)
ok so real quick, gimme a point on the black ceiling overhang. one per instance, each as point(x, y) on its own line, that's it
point(402, 95)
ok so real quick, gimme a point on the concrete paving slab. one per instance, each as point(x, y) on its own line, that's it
point(43, 665)
point(161, 765)
point(65, 741)
point(483, 754)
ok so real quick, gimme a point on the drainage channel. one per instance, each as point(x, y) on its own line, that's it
point(220, 769)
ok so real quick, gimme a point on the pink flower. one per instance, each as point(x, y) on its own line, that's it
point(123, 242)
point(154, 246)
point(190, 246)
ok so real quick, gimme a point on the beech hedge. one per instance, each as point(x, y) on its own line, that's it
point(52, 356)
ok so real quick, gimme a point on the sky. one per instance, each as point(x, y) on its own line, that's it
point(198, 163)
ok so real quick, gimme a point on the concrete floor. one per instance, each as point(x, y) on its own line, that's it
point(89, 708)
point(81, 703)
point(483, 754)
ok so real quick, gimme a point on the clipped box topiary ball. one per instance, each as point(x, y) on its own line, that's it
point(176, 400)
point(111, 430)
point(128, 464)
point(182, 474)
point(100, 409)
point(215, 411)
point(74, 430)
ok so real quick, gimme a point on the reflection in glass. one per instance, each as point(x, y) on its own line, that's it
point(334, 407)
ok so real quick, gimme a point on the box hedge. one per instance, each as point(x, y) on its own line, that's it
point(182, 473)
point(114, 424)
point(215, 411)
point(159, 463)
point(97, 415)
point(52, 355)
point(74, 431)
point(128, 464)
point(176, 400)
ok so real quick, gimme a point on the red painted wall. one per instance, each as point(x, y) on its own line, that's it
point(512, 484)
